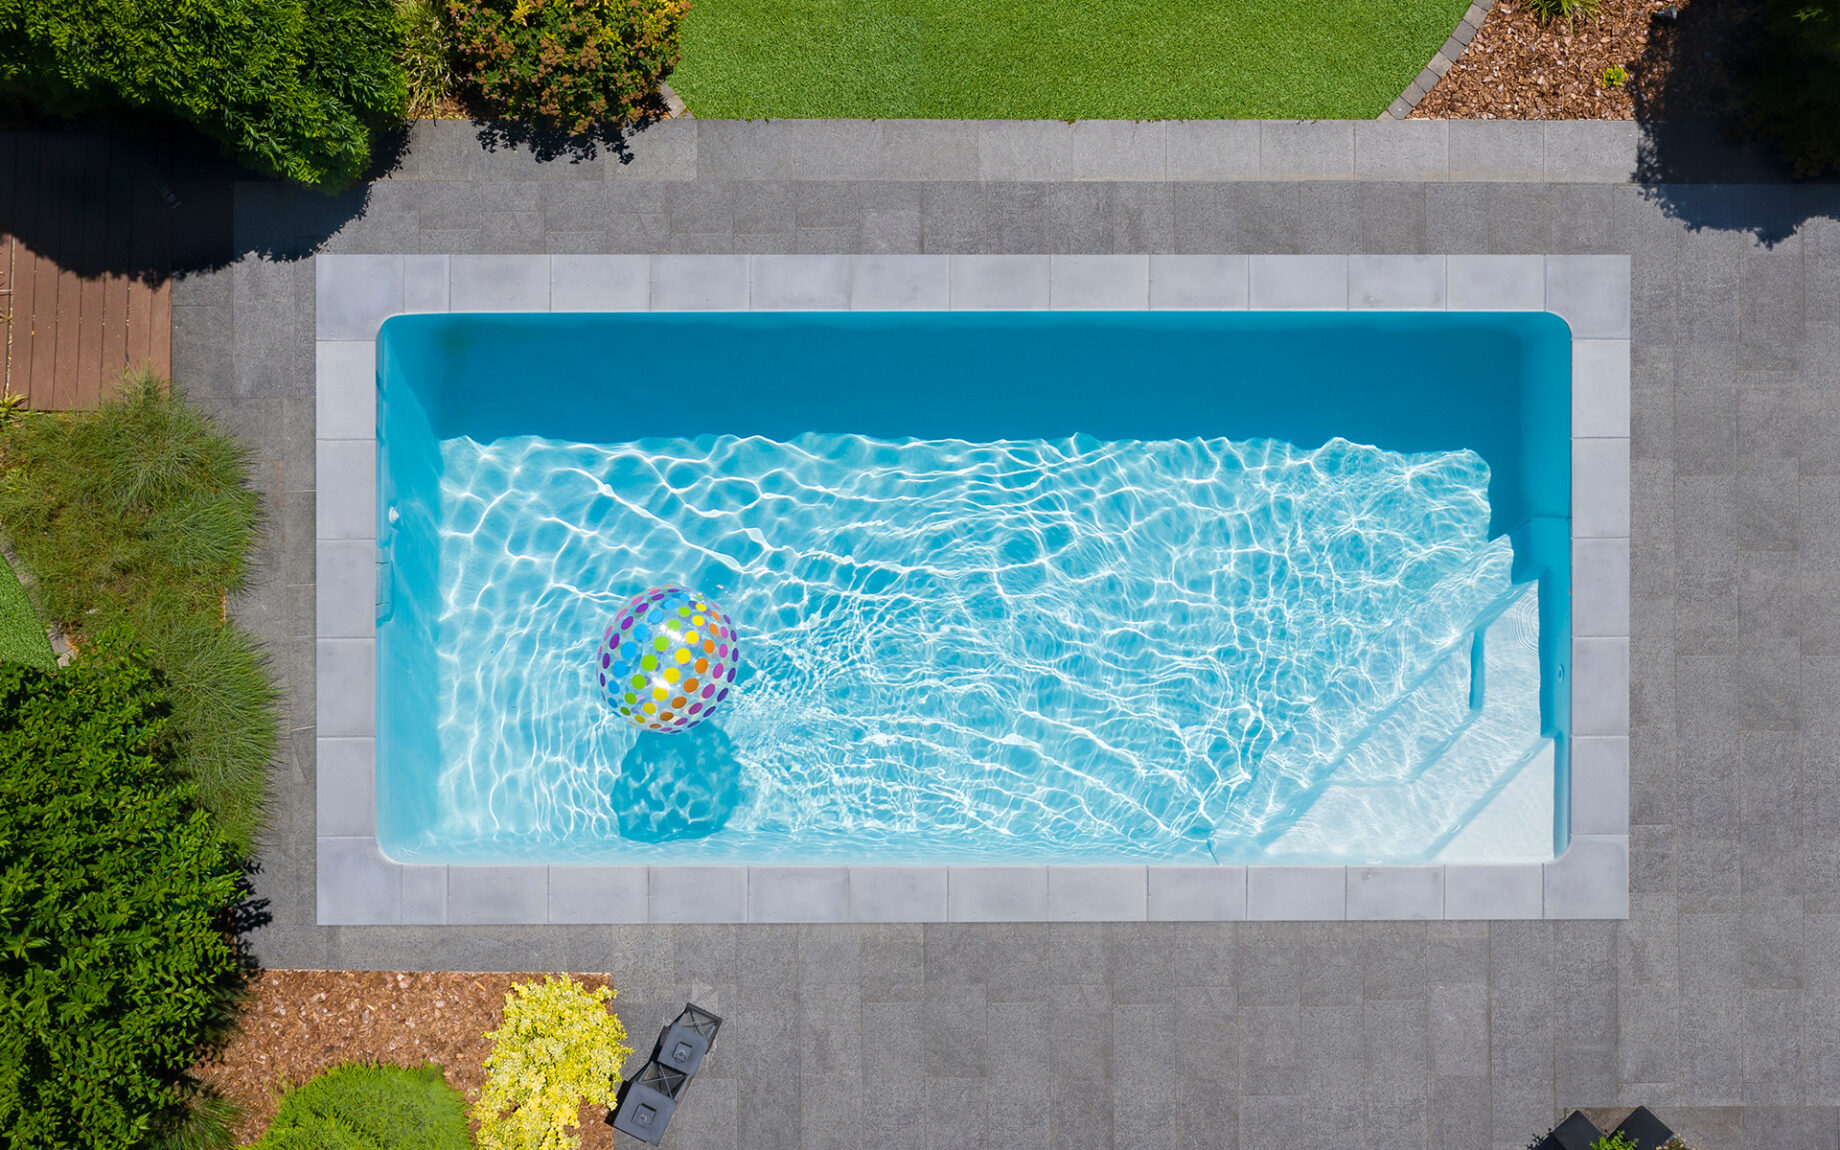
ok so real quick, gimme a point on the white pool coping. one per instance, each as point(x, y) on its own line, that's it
point(358, 885)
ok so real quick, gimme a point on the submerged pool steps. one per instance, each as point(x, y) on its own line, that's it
point(1401, 699)
point(1496, 773)
point(1425, 734)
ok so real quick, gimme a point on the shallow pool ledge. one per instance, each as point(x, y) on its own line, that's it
point(358, 885)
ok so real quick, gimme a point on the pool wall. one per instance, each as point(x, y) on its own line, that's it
point(358, 884)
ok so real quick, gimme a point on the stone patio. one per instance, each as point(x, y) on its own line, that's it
point(1713, 1003)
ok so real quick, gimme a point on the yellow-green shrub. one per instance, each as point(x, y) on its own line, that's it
point(559, 1047)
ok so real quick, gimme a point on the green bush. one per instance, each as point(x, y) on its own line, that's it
point(290, 87)
point(114, 889)
point(361, 1106)
point(567, 65)
point(1795, 87)
point(140, 514)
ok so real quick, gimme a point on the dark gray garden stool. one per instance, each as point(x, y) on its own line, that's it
point(646, 1103)
point(1575, 1133)
point(1645, 1130)
point(687, 1039)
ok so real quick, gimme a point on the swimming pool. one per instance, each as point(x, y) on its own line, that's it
point(1082, 587)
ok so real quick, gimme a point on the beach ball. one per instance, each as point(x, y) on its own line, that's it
point(668, 660)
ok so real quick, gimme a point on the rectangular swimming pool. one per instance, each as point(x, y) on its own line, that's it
point(1182, 587)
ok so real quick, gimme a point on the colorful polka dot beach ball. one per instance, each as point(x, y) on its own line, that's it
point(669, 659)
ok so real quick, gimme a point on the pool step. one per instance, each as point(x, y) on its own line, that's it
point(1485, 795)
point(1402, 698)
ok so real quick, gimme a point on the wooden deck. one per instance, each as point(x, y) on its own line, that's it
point(85, 266)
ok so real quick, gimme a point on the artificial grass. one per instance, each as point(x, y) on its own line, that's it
point(141, 515)
point(22, 634)
point(1056, 59)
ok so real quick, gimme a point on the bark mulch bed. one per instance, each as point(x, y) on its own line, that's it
point(1680, 67)
point(299, 1022)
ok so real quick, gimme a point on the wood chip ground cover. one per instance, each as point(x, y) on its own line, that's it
point(1681, 67)
point(299, 1022)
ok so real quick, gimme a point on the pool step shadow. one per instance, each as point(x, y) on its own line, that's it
point(1486, 794)
point(1403, 697)
point(1433, 729)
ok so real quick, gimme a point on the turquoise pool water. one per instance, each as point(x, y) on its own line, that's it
point(1164, 587)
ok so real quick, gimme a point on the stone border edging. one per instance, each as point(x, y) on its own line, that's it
point(1441, 60)
point(1003, 151)
point(358, 885)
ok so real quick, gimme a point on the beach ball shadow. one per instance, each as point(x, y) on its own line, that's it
point(674, 787)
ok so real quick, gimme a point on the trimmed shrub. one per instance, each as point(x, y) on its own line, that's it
point(140, 514)
point(558, 1048)
point(1795, 85)
point(115, 887)
point(566, 65)
point(364, 1106)
point(290, 87)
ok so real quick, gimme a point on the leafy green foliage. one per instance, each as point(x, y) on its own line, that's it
point(1050, 59)
point(559, 1047)
point(22, 635)
point(362, 1106)
point(1616, 1140)
point(140, 514)
point(426, 55)
point(1795, 89)
point(290, 87)
point(114, 884)
point(568, 65)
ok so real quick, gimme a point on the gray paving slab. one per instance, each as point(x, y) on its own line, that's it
point(479, 895)
point(1199, 281)
point(798, 894)
point(346, 398)
point(1397, 282)
point(1296, 893)
point(1000, 282)
point(1600, 387)
point(1402, 150)
point(593, 894)
point(1496, 282)
point(1206, 894)
point(1099, 282)
point(1097, 893)
point(1299, 282)
point(1395, 892)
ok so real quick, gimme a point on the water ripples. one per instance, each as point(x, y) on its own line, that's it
point(1045, 650)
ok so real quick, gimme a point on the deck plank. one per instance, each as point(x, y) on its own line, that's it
point(119, 210)
point(9, 183)
point(140, 240)
point(96, 160)
point(25, 211)
point(43, 329)
point(68, 317)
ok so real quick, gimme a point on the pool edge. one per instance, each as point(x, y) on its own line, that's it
point(358, 885)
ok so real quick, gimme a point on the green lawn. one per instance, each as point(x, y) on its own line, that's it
point(22, 635)
point(1056, 59)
